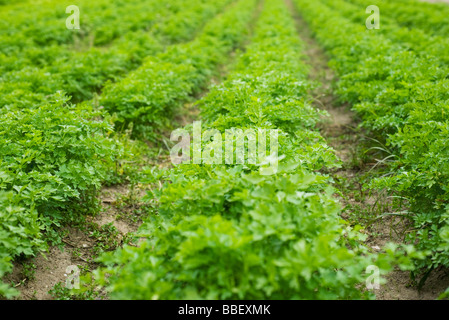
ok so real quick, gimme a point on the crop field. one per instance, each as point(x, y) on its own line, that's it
point(224, 150)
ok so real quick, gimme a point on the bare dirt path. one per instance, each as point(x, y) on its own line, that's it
point(344, 136)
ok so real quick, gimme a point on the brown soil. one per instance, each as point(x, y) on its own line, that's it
point(343, 135)
point(110, 198)
point(51, 267)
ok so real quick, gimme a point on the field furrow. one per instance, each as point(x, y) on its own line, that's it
point(224, 150)
point(251, 231)
point(402, 100)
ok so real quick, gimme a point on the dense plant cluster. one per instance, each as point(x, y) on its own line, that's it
point(425, 45)
point(431, 18)
point(55, 155)
point(402, 95)
point(230, 232)
point(72, 99)
point(53, 159)
point(149, 96)
point(81, 69)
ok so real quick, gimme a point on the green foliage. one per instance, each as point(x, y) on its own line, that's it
point(37, 71)
point(57, 151)
point(53, 160)
point(55, 155)
point(221, 231)
point(228, 232)
point(61, 292)
point(420, 41)
point(29, 270)
point(415, 14)
point(19, 235)
point(401, 95)
point(149, 96)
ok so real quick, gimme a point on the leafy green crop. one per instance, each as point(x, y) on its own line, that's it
point(425, 45)
point(53, 160)
point(149, 96)
point(228, 232)
point(55, 155)
point(222, 231)
point(402, 96)
point(35, 73)
point(429, 17)
point(19, 234)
